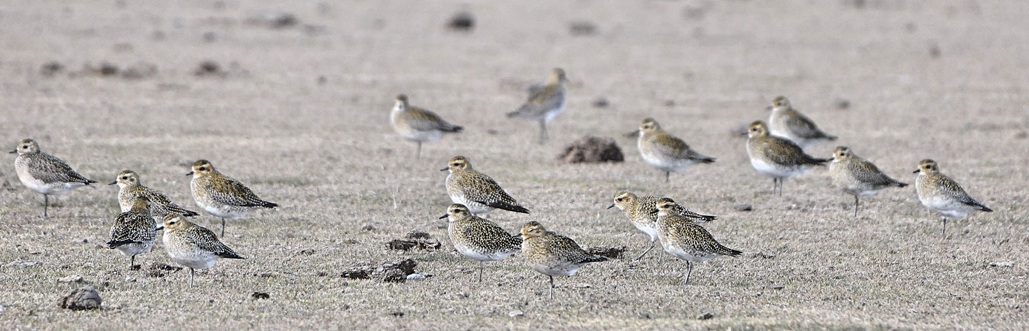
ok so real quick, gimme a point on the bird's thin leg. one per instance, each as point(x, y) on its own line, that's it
point(46, 202)
point(856, 202)
point(689, 271)
point(543, 131)
point(418, 155)
point(667, 173)
point(944, 228)
point(551, 287)
point(480, 271)
point(646, 251)
point(223, 228)
point(132, 261)
point(190, 277)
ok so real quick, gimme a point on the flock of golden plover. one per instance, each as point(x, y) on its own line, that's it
point(775, 149)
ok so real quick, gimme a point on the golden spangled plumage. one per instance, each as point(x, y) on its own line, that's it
point(130, 188)
point(220, 195)
point(193, 246)
point(789, 123)
point(477, 191)
point(777, 157)
point(44, 173)
point(134, 231)
point(856, 176)
point(943, 195)
point(664, 151)
point(418, 124)
point(545, 102)
point(686, 240)
point(478, 238)
point(552, 254)
point(642, 212)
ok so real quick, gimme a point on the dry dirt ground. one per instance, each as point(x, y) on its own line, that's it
point(298, 109)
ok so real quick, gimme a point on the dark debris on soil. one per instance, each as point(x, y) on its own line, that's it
point(414, 240)
point(591, 149)
point(608, 252)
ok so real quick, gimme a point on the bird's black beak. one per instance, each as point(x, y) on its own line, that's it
point(15, 151)
point(769, 107)
point(444, 169)
point(916, 171)
point(112, 183)
point(189, 174)
point(159, 228)
point(633, 134)
point(611, 206)
point(444, 216)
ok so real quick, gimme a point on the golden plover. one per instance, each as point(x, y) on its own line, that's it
point(220, 195)
point(642, 212)
point(943, 195)
point(686, 240)
point(545, 102)
point(193, 246)
point(477, 191)
point(130, 188)
point(134, 231)
point(552, 254)
point(44, 173)
point(418, 124)
point(664, 151)
point(777, 157)
point(856, 176)
point(478, 238)
point(788, 123)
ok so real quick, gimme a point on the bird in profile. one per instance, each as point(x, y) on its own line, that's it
point(777, 157)
point(545, 102)
point(943, 195)
point(44, 173)
point(665, 151)
point(686, 240)
point(856, 176)
point(789, 123)
point(552, 254)
point(220, 195)
point(642, 212)
point(477, 191)
point(130, 188)
point(478, 238)
point(193, 246)
point(418, 124)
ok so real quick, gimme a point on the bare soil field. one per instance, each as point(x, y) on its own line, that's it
point(294, 100)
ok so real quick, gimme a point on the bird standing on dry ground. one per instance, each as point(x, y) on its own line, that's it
point(642, 212)
point(789, 123)
point(665, 151)
point(545, 102)
point(856, 176)
point(44, 173)
point(220, 195)
point(478, 238)
point(686, 240)
point(943, 195)
point(418, 124)
point(552, 254)
point(193, 246)
point(477, 191)
point(777, 157)
point(134, 231)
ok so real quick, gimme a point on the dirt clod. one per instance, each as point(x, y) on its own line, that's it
point(51, 68)
point(260, 295)
point(591, 149)
point(706, 316)
point(461, 21)
point(414, 240)
point(355, 274)
point(81, 299)
point(582, 28)
point(159, 269)
point(743, 207)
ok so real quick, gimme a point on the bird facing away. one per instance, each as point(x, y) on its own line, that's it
point(856, 176)
point(418, 124)
point(220, 195)
point(943, 195)
point(788, 123)
point(478, 238)
point(130, 188)
point(686, 240)
point(777, 157)
point(545, 102)
point(134, 231)
point(193, 246)
point(477, 191)
point(552, 254)
point(664, 151)
point(44, 173)
point(642, 212)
